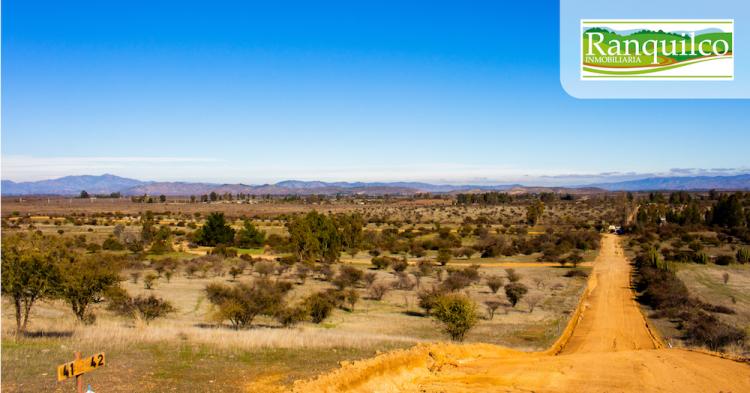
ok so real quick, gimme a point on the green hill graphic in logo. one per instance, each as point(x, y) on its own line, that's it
point(631, 49)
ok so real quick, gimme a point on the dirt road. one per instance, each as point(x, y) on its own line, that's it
point(610, 349)
point(612, 319)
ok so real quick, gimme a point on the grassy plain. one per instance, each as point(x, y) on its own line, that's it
point(190, 351)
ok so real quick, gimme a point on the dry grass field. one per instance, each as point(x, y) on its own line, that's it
point(190, 350)
point(203, 350)
point(706, 282)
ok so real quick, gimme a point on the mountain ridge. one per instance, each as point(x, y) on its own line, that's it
point(680, 183)
point(108, 183)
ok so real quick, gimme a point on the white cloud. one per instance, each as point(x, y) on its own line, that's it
point(29, 168)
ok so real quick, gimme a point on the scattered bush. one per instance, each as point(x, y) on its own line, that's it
point(225, 251)
point(319, 306)
point(444, 256)
point(512, 275)
point(515, 291)
point(240, 304)
point(377, 291)
point(457, 313)
point(381, 263)
point(532, 301)
point(369, 278)
point(492, 306)
point(704, 329)
point(265, 268)
point(290, 316)
point(404, 282)
point(149, 280)
point(399, 265)
point(145, 308)
point(428, 298)
point(494, 282)
point(235, 271)
point(348, 276)
point(666, 293)
point(460, 279)
point(425, 267)
point(351, 297)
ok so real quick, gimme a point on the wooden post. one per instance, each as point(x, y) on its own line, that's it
point(79, 378)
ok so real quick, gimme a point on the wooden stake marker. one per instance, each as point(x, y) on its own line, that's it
point(78, 367)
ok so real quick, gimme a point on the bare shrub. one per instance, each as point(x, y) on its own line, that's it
point(512, 275)
point(494, 282)
point(378, 290)
point(533, 300)
point(265, 268)
point(149, 280)
point(145, 308)
point(492, 306)
point(369, 278)
point(404, 282)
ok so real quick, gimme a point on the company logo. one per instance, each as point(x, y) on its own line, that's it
point(657, 49)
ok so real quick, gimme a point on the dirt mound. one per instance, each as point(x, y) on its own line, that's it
point(607, 346)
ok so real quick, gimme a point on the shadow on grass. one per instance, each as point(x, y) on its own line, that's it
point(48, 334)
point(224, 326)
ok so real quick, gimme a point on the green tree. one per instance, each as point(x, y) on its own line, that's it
point(240, 304)
point(350, 229)
point(457, 313)
point(314, 236)
point(147, 228)
point(30, 271)
point(215, 231)
point(249, 236)
point(162, 241)
point(728, 212)
point(84, 279)
point(534, 212)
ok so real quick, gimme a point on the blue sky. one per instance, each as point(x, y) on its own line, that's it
point(241, 92)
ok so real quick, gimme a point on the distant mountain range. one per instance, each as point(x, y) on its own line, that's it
point(70, 185)
point(106, 184)
point(737, 182)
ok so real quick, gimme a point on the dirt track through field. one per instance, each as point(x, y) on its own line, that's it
point(609, 349)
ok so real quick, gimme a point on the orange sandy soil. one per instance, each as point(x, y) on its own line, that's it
point(608, 347)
